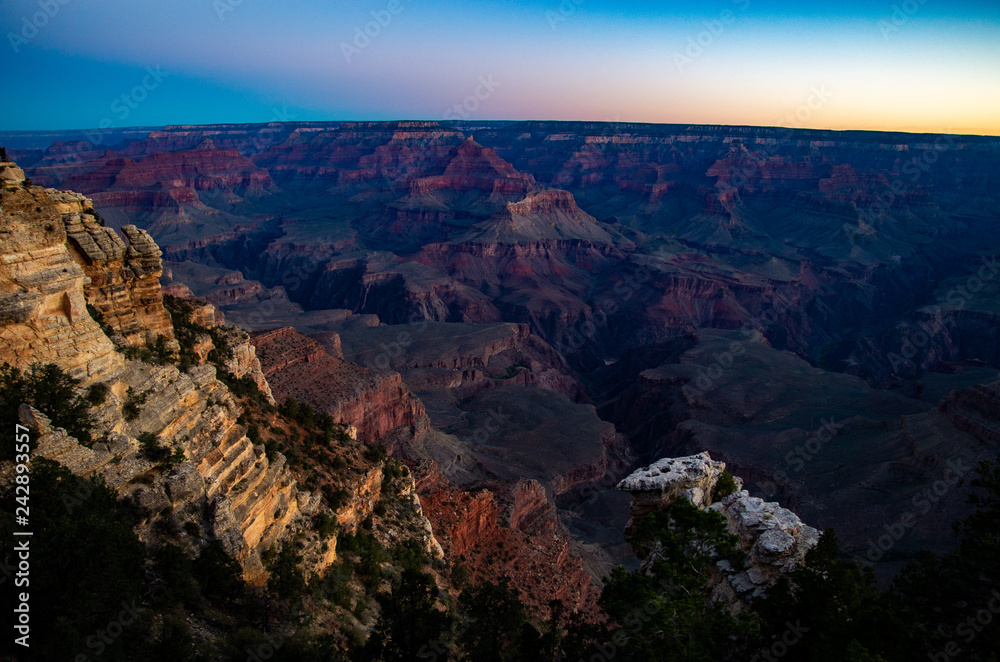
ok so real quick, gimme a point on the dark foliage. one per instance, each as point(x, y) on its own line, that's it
point(52, 392)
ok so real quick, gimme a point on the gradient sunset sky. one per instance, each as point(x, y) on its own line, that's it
point(907, 66)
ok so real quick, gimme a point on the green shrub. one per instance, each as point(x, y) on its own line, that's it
point(133, 400)
point(725, 486)
point(335, 497)
point(97, 394)
point(154, 451)
point(376, 453)
point(324, 525)
point(52, 392)
point(286, 578)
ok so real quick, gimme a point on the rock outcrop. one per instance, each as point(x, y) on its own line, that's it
point(774, 538)
point(43, 310)
point(124, 288)
point(479, 533)
point(169, 437)
point(660, 484)
point(377, 403)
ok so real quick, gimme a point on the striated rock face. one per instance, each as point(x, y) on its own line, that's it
point(10, 174)
point(525, 507)
point(220, 483)
point(975, 411)
point(538, 562)
point(124, 286)
point(43, 311)
point(203, 168)
point(244, 361)
point(378, 404)
point(365, 493)
point(775, 539)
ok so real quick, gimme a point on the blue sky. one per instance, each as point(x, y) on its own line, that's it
point(907, 66)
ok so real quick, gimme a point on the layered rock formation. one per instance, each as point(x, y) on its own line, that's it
point(124, 288)
point(518, 540)
point(609, 242)
point(43, 309)
point(774, 538)
point(228, 489)
point(377, 404)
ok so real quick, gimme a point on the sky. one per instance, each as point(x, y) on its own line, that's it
point(913, 65)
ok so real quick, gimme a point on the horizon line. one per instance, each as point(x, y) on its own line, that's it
point(451, 122)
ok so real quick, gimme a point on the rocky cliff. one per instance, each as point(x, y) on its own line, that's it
point(775, 539)
point(169, 438)
point(378, 404)
point(43, 309)
point(514, 535)
point(124, 289)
